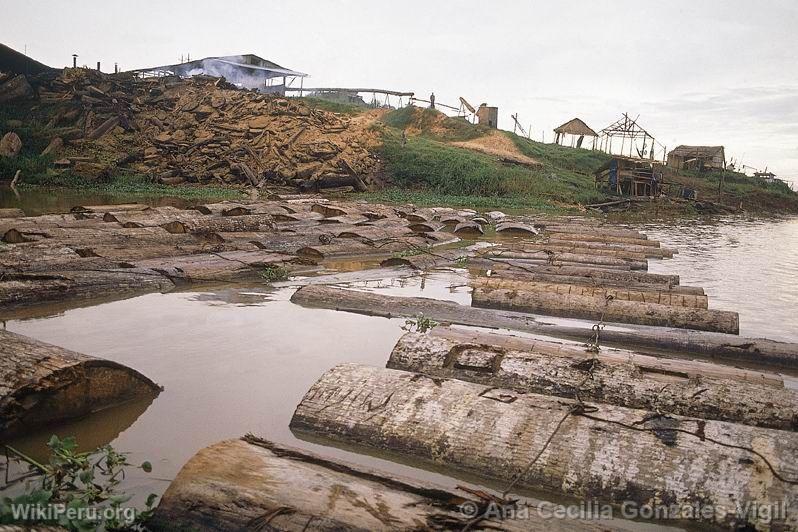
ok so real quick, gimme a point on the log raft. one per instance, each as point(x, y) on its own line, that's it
point(254, 484)
point(723, 348)
point(604, 309)
point(621, 378)
point(42, 384)
point(615, 454)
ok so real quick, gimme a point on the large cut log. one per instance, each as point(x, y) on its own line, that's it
point(41, 384)
point(606, 309)
point(277, 488)
point(31, 288)
point(615, 454)
point(659, 297)
point(725, 348)
point(499, 271)
point(110, 208)
point(600, 231)
point(648, 251)
point(552, 262)
point(223, 266)
point(622, 378)
point(210, 224)
point(594, 237)
point(555, 256)
point(527, 249)
point(428, 259)
point(580, 271)
point(11, 213)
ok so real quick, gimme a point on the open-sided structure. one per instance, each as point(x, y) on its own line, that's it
point(576, 129)
point(626, 137)
point(630, 176)
point(697, 158)
point(247, 71)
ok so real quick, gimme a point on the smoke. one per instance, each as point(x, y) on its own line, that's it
point(241, 77)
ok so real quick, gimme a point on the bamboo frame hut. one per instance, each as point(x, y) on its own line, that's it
point(635, 142)
point(577, 130)
point(697, 158)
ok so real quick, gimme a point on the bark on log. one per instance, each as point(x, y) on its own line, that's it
point(499, 271)
point(600, 231)
point(583, 271)
point(30, 288)
point(289, 489)
point(12, 213)
point(468, 229)
point(620, 378)
point(622, 294)
point(222, 266)
point(42, 384)
point(546, 262)
point(569, 257)
point(112, 208)
point(603, 309)
point(527, 248)
point(723, 348)
point(207, 224)
point(594, 237)
point(648, 251)
point(508, 228)
point(610, 453)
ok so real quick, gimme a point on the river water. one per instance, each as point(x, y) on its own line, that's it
point(238, 359)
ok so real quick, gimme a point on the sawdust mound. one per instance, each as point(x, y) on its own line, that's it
point(499, 145)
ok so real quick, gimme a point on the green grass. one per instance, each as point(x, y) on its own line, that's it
point(130, 185)
point(334, 107)
point(434, 124)
point(427, 170)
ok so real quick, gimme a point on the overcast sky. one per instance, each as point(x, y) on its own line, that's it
point(709, 72)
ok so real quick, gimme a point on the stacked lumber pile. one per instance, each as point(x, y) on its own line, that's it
point(201, 130)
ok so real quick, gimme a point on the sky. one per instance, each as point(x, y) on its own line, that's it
point(708, 73)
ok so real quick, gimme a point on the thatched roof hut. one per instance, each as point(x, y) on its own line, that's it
point(578, 131)
point(576, 127)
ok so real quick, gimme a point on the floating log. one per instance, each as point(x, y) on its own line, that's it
point(32, 288)
point(724, 348)
point(113, 208)
point(509, 228)
point(605, 309)
point(561, 263)
point(41, 384)
point(307, 492)
point(346, 248)
point(504, 272)
point(468, 229)
point(221, 266)
point(600, 231)
point(425, 227)
point(607, 274)
point(647, 251)
point(526, 249)
point(666, 297)
point(595, 237)
point(622, 378)
point(611, 453)
point(328, 211)
point(207, 224)
point(578, 258)
point(12, 213)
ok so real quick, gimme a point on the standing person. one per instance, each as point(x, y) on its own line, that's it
point(432, 101)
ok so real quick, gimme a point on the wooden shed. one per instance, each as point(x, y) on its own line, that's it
point(697, 158)
point(629, 176)
point(577, 130)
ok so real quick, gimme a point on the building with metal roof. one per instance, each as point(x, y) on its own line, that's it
point(246, 71)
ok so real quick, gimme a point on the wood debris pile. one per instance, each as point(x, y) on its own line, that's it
point(201, 130)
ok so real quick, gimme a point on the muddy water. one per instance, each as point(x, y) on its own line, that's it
point(44, 201)
point(237, 360)
point(745, 265)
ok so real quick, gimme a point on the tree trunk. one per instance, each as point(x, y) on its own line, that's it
point(41, 384)
point(622, 294)
point(589, 273)
point(610, 453)
point(601, 309)
point(598, 231)
point(307, 492)
point(209, 224)
point(579, 258)
point(648, 251)
point(724, 348)
point(529, 249)
point(596, 237)
point(224, 266)
point(622, 378)
point(503, 272)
